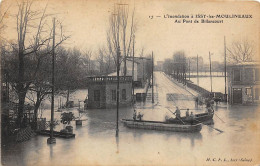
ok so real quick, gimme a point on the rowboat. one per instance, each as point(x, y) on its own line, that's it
point(163, 126)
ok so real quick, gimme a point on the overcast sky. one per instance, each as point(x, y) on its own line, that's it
point(87, 23)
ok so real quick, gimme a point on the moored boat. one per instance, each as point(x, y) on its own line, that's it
point(163, 126)
point(56, 134)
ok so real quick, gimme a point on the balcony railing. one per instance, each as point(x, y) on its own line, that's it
point(109, 79)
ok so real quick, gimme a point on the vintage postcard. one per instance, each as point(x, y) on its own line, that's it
point(127, 82)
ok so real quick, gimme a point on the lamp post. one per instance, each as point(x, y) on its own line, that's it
point(117, 89)
point(152, 79)
point(197, 69)
point(189, 69)
point(225, 63)
point(52, 140)
point(133, 73)
point(210, 72)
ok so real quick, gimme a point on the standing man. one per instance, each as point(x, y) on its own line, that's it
point(187, 113)
point(177, 113)
point(192, 117)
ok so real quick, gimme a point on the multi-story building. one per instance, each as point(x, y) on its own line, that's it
point(102, 91)
point(243, 83)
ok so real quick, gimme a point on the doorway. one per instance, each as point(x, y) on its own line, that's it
point(237, 95)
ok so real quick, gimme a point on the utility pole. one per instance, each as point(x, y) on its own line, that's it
point(225, 61)
point(117, 89)
point(189, 69)
point(185, 76)
point(133, 73)
point(152, 79)
point(210, 72)
point(52, 140)
point(197, 69)
point(143, 70)
point(184, 70)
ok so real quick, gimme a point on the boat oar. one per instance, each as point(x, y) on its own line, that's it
point(175, 115)
point(219, 117)
point(210, 126)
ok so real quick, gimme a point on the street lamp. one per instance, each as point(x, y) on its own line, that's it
point(52, 140)
point(117, 89)
point(210, 71)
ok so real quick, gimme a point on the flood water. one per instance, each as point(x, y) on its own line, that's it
point(95, 142)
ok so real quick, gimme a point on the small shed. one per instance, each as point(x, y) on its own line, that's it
point(102, 91)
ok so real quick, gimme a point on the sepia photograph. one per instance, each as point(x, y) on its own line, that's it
point(130, 83)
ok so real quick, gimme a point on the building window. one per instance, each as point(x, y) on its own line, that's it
point(256, 74)
point(249, 94)
point(123, 94)
point(236, 74)
point(248, 91)
point(96, 95)
point(113, 95)
point(249, 76)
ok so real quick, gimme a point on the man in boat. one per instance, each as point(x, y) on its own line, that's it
point(187, 113)
point(208, 104)
point(177, 113)
point(139, 116)
point(192, 117)
point(134, 115)
point(210, 110)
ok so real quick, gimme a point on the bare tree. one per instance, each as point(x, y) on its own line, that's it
point(179, 67)
point(33, 37)
point(241, 51)
point(87, 60)
point(120, 32)
point(100, 59)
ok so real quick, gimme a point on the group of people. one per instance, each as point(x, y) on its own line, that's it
point(209, 106)
point(137, 117)
point(188, 115)
point(177, 113)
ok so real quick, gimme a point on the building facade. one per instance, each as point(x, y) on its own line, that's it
point(102, 91)
point(243, 83)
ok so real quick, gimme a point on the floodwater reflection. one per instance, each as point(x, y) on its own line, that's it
point(117, 144)
point(95, 142)
point(51, 150)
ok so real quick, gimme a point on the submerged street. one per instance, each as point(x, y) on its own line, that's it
point(95, 142)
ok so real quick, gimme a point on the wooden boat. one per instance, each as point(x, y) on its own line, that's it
point(202, 117)
point(163, 126)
